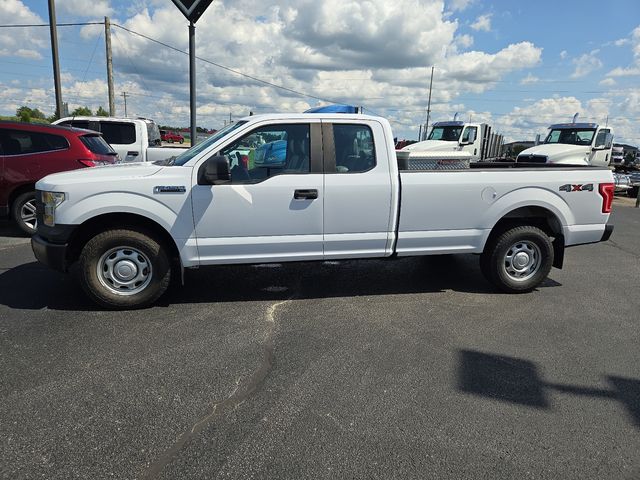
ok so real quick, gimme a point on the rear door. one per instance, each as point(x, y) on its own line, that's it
point(272, 209)
point(358, 217)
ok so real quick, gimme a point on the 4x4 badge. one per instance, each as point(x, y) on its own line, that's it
point(577, 188)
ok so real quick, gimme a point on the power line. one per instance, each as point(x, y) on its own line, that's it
point(237, 72)
point(22, 25)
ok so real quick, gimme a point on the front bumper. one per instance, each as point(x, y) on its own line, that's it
point(53, 255)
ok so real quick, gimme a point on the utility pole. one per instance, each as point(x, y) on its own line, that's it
point(426, 127)
point(192, 81)
point(124, 94)
point(107, 42)
point(54, 54)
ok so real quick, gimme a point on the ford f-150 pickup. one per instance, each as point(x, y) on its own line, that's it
point(338, 194)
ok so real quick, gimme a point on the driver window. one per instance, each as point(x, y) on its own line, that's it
point(269, 151)
point(601, 139)
point(469, 134)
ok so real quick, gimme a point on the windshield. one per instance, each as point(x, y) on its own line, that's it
point(572, 136)
point(193, 151)
point(448, 134)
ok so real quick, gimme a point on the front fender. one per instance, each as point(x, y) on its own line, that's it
point(176, 218)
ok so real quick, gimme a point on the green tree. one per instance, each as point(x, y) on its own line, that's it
point(26, 114)
point(82, 112)
point(101, 112)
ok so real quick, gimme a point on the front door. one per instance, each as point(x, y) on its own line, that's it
point(272, 209)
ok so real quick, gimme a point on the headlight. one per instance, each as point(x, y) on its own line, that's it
point(51, 201)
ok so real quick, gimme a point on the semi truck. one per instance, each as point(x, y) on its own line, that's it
point(468, 142)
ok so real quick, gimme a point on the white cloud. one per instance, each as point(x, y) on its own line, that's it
point(85, 8)
point(608, 82)
point(464, 41)
point(459, 5)
point(564, 54)
point(624, 72)
point(482, 23)
point(621, 42)
point(529, 79)
point(14, 40)
point(585, 64)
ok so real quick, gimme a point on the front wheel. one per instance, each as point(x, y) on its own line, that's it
point(518, 260)
point(124, 269)
point(23, 211)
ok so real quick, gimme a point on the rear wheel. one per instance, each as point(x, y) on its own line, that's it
point(23, 211)
point(518, 260)
point(124, 269)
point(633, 192)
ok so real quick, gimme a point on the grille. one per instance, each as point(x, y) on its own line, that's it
point(532, 158)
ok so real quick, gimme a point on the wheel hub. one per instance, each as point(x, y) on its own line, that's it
point(522, 260)
point(124, 270)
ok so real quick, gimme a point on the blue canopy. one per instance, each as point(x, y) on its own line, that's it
point(333, 109)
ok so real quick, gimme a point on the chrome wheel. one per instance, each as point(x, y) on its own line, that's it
point(28, 214)
point(124, 270)
point(522, 260)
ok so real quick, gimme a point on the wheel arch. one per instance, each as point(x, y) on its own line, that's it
point(536, 216)
point(106, 221)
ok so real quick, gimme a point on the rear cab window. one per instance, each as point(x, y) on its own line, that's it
point(118, 133)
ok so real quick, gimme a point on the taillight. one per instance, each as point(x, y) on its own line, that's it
point(86, 162)
point(606, 191)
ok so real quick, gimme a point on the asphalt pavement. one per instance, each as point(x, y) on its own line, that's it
point(414, 368)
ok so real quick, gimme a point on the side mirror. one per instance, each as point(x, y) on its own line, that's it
point(215, 171)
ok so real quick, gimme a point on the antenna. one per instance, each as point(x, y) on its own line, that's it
point(575, 117)
point(455, 116)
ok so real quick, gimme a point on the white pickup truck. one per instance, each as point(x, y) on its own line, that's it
point(133, 139)
point(333, 192)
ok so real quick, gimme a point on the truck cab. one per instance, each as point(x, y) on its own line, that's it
point(472, 139)
point(573, 144)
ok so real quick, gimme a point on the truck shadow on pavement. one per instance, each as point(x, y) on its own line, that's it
point(518, 381)
point(237, 283)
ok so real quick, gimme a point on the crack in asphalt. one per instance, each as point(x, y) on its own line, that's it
point(236, 398)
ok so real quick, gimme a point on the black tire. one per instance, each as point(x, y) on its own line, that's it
point(181, 141)
point(633, 192)
point(523, 243)
point(25, 204)
point(170, 140)
point(139, 253)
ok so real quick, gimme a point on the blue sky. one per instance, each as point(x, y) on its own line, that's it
point(517, 65)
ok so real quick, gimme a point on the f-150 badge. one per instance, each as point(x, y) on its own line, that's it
point(577, 188)
point(169, 189)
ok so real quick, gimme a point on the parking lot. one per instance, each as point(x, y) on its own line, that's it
point(364, 369)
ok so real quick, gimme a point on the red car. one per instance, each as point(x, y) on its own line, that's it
point(171, 137)
point(29, 152)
